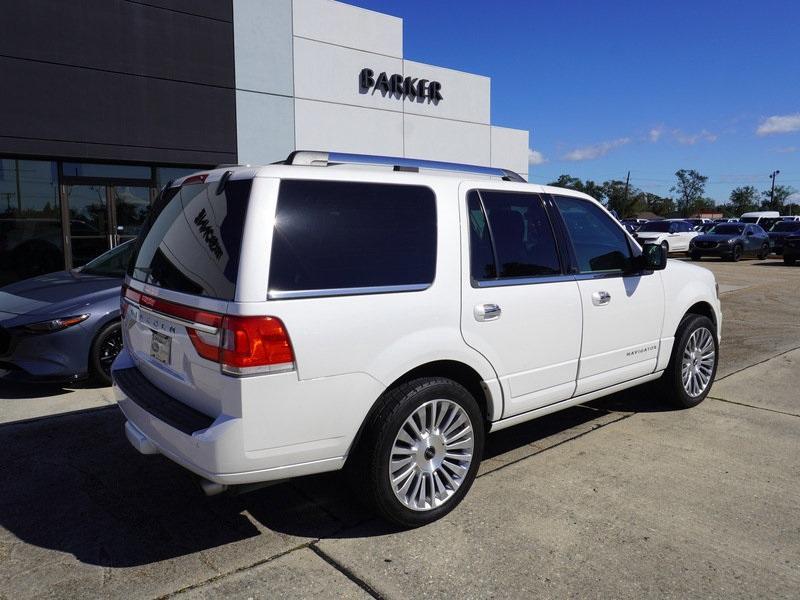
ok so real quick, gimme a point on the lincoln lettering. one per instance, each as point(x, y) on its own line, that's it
point(407, 87)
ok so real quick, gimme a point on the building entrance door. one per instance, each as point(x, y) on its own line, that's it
point(101, 217)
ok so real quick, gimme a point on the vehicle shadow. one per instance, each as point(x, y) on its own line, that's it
point(73, 484)
point(20, 391)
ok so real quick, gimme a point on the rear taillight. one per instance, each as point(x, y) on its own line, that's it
point(242, 345)
point(255, 345)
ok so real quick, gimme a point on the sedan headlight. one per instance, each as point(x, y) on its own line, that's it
point(55, 324)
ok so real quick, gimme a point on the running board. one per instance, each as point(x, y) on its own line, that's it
point(551, 408)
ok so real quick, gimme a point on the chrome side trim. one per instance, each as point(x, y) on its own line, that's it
point(359, 291)
point(184, 322)
point(523, 281)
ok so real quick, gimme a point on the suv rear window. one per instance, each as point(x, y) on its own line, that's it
point(335, 236)
point(193, 243)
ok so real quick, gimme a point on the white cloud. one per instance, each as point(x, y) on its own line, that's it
point(535, 157)
point(690, 139)
point(779, 124)
point(595, 150)
point(655, 134)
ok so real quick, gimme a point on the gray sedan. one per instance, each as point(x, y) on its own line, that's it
point(64, 326)
point(731, 241)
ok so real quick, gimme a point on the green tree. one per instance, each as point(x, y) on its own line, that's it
point(689, 190)
point(742, 200)
point(574, 183)
point(782, 192)
point(659, 205)
point(625, 202)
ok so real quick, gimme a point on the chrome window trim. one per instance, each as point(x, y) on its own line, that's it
point(356, 291)
point(490, 283)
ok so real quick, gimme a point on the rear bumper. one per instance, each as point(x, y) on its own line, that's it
point(158, 424)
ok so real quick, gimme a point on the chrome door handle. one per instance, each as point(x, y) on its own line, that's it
point(601, 298)
point(487, 312)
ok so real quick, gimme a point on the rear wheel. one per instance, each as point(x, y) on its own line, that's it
point(420, 452)
point(693, 365)
point(105, 348)
point(763, 252)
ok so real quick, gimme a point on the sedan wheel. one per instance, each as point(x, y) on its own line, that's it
point(107, 345)
point(764, 252)
point(737, 253)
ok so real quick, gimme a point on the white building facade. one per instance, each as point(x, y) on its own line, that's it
point(324, 75)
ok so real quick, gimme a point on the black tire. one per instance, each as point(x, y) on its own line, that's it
point(736, 255)
point(105, 347)
point(665, 246)
point(764, 252)
point(369, 467)
point(671, 385)
point(788, 260)
point(695, 256)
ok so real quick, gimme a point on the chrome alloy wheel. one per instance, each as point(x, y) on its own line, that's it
point(697, 364)
point(431, 455)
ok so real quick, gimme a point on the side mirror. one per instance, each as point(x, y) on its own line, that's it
point(653, 258)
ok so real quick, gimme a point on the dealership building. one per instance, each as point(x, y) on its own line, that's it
point(106, 100)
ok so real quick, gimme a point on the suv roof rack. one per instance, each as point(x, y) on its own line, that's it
point(327, 159)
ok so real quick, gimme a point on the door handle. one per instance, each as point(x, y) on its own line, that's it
point(601, 298)
point(487, 312)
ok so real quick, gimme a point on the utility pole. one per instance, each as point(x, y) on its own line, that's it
point(772, 191)
point(627, 180)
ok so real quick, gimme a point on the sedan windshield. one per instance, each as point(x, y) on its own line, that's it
point(112, 263)
point(728, 229)
point(657, 226)
point(786, 226)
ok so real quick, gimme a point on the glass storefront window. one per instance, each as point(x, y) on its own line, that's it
point(30, 220)
point(166, 174)
point(72, 169)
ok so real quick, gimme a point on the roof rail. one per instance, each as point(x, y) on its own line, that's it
point(228, 165)
point(326, 159)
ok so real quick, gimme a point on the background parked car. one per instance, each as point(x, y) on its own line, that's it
point(673, 235)
point(64, 326)
point(780, 231)
point(791, 249)
point(731, 241)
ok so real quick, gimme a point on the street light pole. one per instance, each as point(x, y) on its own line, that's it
point(772, 191)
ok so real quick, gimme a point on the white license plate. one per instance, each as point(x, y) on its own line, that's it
point(160, 347)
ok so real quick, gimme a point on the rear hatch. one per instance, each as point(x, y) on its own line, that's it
point(179, 287)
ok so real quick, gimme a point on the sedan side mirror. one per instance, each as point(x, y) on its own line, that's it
point(652, 258)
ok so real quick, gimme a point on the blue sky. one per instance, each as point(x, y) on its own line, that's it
point(653, 87)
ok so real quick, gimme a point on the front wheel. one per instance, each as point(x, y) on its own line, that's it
point(420, 452)
point(665, 246)
point(764, 252)
point(105, 348)
point(736, 255)
point(693, 365)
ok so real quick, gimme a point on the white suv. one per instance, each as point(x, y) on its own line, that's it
point(313, 315)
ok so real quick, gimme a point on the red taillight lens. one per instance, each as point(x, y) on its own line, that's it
point(243, 345)
point(195, 179)
point(255, 345)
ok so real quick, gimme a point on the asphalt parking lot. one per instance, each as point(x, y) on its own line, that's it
point(622, 497)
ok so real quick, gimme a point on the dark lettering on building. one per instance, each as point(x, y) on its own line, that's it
point(207, 231)
point(396, 85)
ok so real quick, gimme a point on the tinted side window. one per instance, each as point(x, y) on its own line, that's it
point(336, 235)
point(518, 241)
point(600, 244)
